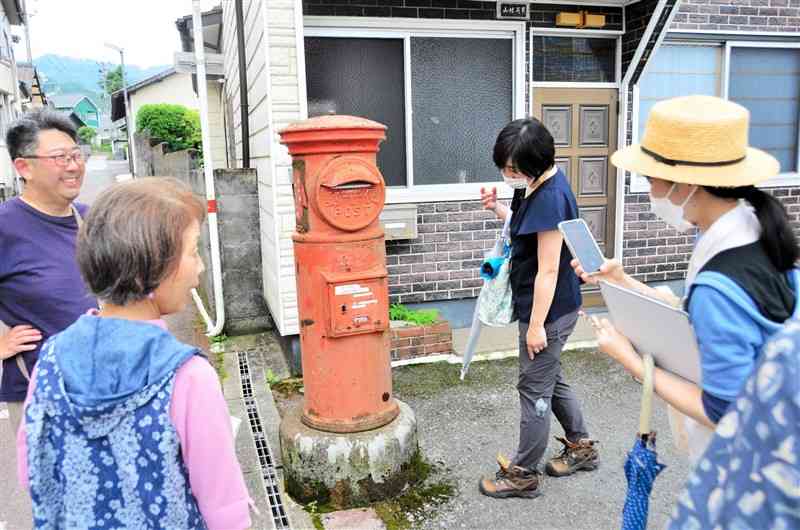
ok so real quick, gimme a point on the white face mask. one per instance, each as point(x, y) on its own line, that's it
point(516, 183)
point(670, 213)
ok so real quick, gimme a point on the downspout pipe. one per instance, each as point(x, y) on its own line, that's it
point(213, 328)
point(243, 103)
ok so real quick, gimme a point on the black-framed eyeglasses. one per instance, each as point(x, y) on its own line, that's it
point(63, 159)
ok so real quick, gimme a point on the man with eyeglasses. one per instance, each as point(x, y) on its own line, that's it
point(41, 289)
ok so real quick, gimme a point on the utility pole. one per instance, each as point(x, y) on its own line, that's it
point(128, 124)
point(26, 25)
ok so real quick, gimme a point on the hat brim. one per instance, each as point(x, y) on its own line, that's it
point(756, 167)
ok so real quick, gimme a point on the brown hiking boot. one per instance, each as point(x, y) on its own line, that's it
point(582, 455)
point(511, 481)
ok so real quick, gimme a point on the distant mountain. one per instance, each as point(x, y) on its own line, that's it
point(63, 75)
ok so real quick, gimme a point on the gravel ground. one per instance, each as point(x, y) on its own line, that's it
point(465, 424)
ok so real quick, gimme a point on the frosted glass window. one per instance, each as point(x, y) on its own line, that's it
point(362, 77)
point(461, 98)
point(678, 70)
point(573, 59)
point(767, 82)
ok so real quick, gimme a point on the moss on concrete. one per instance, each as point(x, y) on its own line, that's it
point(429, 487)
point(419, 502)
point(287, 388)
point(429, 380)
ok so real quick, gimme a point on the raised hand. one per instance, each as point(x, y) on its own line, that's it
point(489, 199)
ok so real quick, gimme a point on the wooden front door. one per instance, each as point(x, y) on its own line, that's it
point(584, 123)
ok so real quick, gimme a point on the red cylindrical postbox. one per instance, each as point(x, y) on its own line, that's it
point(342, 285)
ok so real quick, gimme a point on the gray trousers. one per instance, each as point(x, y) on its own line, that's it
point(541, 389)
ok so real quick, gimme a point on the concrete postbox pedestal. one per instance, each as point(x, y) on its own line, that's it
point(352, 441)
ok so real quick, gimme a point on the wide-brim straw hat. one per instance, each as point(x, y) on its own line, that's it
point(698, 140)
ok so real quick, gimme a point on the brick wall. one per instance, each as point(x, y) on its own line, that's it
point(412, 341)
point(637, 16)
point(541, 15)
point(653, 252)
point(739, 15)
point(442, 263)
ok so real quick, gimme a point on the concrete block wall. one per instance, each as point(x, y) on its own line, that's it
point(240, 245)
point(237, 204)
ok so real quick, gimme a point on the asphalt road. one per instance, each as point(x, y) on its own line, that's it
point(465, 425)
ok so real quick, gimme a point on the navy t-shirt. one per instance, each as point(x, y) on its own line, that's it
point(40, 284)
point(552, 203)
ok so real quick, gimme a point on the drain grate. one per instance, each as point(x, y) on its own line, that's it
point(279, 516)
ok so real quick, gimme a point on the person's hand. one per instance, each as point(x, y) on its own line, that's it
point(19, 339)
point(489, 199)
point(536, 340)
point(611, 271)
point(617, 346)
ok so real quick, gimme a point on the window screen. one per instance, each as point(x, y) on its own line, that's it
point(362, 77)
point(461, 91)
point(678, 70)
point(767, 82)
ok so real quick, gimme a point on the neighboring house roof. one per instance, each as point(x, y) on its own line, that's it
point(26, 72)
point(29, 81)
point(69, 101)
point(212, 30)
point(76, 119)
point(118, 101)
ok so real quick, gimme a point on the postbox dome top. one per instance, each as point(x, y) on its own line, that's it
point(333, 121)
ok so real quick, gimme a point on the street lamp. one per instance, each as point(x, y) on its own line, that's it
point(128, 131)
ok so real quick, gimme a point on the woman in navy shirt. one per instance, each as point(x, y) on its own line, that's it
point(547, 298)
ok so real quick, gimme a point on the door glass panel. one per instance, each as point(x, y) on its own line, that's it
point(362, 77)
point(462, 96)
point(573, 59)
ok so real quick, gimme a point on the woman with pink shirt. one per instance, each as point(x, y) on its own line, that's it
point(124, 425)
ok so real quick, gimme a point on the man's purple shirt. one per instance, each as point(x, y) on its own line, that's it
point(40, 284)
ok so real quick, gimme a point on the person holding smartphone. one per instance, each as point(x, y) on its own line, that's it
point(547, 298)
point(741, 283)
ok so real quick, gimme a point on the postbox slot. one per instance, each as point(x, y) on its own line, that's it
point(350, 186)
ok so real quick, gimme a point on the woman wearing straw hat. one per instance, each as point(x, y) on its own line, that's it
point(742, 283)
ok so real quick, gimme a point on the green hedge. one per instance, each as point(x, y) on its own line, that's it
point(176, 125)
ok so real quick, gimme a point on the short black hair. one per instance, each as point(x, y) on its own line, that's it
point(22, 137)
point(528, 145)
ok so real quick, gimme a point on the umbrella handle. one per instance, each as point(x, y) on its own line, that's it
point(647, 395)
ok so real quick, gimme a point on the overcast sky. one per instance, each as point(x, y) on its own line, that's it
point(144, 28)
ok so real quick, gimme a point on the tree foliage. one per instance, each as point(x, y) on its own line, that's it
point(113, 80)
point(86, 134)
point(176, 125)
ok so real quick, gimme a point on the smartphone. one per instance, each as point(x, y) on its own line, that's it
point(582, 244)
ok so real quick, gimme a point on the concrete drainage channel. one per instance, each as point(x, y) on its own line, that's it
point(279, 517)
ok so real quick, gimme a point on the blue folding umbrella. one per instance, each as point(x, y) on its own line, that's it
point(641, 467)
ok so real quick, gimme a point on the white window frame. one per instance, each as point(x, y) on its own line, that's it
point(573, 33)
point(402, 28)
point(786, 179)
